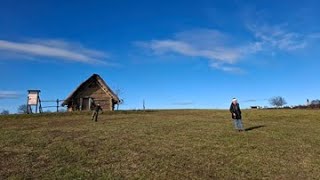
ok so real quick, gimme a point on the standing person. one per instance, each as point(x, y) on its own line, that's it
point(96, 110)
point(236, 114)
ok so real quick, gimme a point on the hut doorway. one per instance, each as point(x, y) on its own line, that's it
point(86, 103)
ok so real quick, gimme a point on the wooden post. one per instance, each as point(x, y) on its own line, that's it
point(37, 104)
point(111, 105)
point(40, 106)
point(28, 112)
point(90, 103)
point(57, 105)
point(80, 104)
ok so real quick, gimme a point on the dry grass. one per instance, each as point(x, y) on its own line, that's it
point(184, 144)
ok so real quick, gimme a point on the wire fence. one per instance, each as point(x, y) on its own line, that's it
point(50, 104)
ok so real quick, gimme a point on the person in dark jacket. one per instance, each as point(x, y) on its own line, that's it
point(236, 114)
point(96, 111)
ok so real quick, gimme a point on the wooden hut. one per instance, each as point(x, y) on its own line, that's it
point(91, 92)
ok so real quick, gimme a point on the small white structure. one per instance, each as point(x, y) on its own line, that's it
point(255, 107)
point(33, 100)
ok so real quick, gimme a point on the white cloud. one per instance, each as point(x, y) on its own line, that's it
point(314, 35)
point(227, 68)
point(9, 95)
point(209, 44)
point(188, 49)
point(224, 51)
point(55, 49)
point(278, 37)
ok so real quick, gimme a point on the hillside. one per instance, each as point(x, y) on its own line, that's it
point(177, 144)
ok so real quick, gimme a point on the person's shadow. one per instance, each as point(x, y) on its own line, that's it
point(254, 127)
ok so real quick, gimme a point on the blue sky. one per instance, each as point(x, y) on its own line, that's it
point(172, 54)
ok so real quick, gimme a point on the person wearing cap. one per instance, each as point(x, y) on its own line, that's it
point(236, 114)
point(95, 114)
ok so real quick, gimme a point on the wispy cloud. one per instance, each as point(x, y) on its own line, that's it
point(213, 45)
point(278, 37)
point(314, 35)
point(227, 68)
point(9, 95)
point(225, 51)
point(254, 100)
point(55, 49)
point(188, 49)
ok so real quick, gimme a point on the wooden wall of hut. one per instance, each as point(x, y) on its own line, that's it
point(94, 91)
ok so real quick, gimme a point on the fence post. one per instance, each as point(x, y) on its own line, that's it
point(57, 105)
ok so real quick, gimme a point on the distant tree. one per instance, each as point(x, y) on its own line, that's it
point(119, 103)
point(144, 105)
point(5, 112)
point(315, 102)
point(119, 93)
point(23, 109)
point(277, 101)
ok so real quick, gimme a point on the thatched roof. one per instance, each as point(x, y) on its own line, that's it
point(100, 82)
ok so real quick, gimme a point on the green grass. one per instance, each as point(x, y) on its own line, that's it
point(182, 144)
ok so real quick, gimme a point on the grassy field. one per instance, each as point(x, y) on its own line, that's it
point(182, 144)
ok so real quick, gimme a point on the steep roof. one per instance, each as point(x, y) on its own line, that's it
point(100, 82)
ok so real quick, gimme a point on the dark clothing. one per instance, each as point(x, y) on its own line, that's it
point(96, 113)
point(95, 116)
point(235, 111)
point(97, 108)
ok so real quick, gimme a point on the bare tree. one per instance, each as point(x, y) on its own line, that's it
point(4, 112)
point(23, 109)
point(315, 102)
point(119, 103)
point(119, 92)
point(277, 101)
